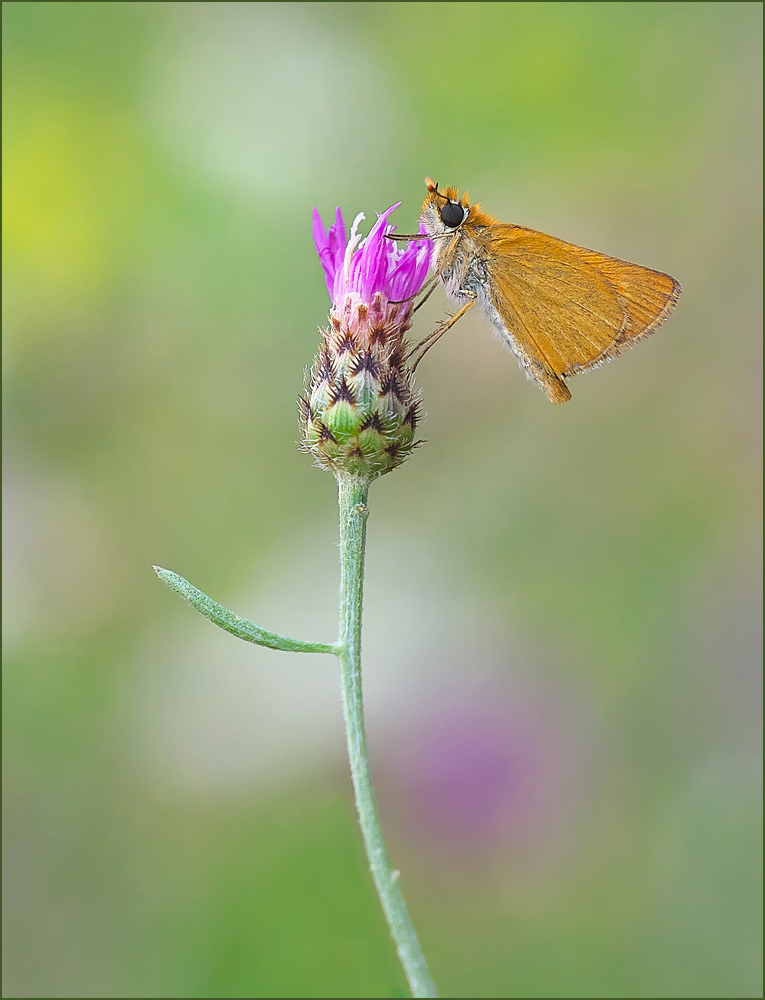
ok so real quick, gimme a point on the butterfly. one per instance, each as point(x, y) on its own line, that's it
point(560, 308)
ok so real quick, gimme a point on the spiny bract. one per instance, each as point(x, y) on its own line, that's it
point(360, 412)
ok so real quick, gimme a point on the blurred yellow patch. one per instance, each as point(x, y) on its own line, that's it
point(72, 199)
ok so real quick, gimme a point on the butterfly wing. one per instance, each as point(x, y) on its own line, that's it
point(566, 309)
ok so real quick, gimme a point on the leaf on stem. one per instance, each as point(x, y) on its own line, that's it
point(240, 627)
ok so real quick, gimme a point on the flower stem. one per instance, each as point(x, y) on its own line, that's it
point(353, 519)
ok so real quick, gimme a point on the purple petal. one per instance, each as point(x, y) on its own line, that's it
point(410, 271)
point(423, 257)
point(337, 239)
point(381, 253)
point(322, 241)
point(319, 236)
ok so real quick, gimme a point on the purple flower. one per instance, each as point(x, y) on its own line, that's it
point(360, 412)
point(363, 267)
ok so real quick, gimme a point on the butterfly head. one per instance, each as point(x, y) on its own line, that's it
point(443, 211)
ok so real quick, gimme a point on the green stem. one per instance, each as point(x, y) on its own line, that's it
point(353, 519)
point(232, 623)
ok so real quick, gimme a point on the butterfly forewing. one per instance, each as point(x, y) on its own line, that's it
point(569, 308)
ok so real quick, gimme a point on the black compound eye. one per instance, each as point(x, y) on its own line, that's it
point(452, 214)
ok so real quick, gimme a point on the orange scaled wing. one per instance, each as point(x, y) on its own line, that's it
point(570, 309)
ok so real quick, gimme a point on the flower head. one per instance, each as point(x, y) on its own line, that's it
point(360, 411)
point(365, 266)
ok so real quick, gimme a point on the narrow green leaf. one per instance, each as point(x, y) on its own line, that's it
point(240, 627)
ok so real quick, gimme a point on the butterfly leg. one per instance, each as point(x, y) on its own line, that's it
point(432, 281)
point(427, 295)
point(425, 345)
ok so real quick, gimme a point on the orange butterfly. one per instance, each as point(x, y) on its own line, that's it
point(560, 308)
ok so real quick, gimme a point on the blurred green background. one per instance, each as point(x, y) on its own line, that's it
point(563, 620)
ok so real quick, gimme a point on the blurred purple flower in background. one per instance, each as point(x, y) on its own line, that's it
point(479, 774)
point(487, 768)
